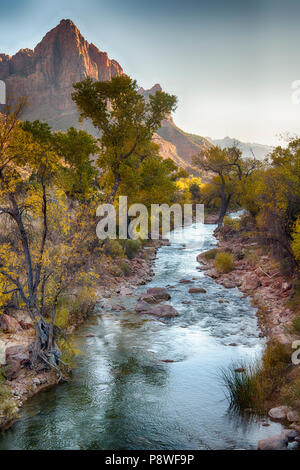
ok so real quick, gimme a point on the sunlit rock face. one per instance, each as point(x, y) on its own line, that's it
point(46, 74)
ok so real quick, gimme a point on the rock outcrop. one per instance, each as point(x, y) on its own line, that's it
point(46, 74)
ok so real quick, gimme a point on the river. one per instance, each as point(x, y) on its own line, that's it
point(123, 396)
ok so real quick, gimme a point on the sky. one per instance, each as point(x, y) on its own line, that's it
point(231, 63)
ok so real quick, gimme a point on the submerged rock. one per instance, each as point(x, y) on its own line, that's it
point(197, 290)
point(150, 299)
point(158, 310)
point(289, 434)
point(159, 293)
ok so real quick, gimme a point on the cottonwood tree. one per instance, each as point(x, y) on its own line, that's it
point(272, 195)
point(229, 172)
point(43, 244)
point(126, 122)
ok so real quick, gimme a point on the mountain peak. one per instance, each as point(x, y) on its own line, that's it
point(47, 74)
point(67, 23)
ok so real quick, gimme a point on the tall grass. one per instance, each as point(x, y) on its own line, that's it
point(246, 389)
point(252, 385)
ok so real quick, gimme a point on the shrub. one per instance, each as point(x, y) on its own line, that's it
point(211, 254)
point(132, 247)
point(275, 360)
point(290, 394)
point(296, 324)
point(294, 302)
point(252, 257)
point(8, 408)
point(224, 262)
point(235, 224)
point(126, 270)
point(113, 248)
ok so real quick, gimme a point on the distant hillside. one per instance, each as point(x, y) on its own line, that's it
point(174, 142)
point(248, 149)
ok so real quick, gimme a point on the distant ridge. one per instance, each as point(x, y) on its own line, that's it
point(249, 150)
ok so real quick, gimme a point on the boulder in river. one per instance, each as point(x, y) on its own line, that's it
point(213, 273)
point(159, 293)
point(157, 310)
point(150, 299)
point(197, 290)
point(273, 443)
point(279, 413)
point(289, 434)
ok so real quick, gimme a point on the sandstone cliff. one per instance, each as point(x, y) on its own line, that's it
point(46, 76)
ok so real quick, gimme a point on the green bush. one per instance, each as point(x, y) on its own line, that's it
point(294, 302)
point(211, 254)
point(132, 248)
point(8, 408)
point(224, 262)
point(235, 224)
point(113, 248)
point(125, 268)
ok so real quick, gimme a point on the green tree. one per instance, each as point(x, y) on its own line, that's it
point(272, 196)
point(44, 245)
point(229, 172)
point(126, 122)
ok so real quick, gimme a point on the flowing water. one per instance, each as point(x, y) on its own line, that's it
point(124, 396)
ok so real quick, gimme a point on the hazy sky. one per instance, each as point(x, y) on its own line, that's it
point(231, 63)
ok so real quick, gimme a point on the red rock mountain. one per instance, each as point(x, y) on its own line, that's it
point(46, 75)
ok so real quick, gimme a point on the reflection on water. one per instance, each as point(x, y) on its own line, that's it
point(125, 396)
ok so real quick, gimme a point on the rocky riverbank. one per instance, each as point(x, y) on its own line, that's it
point(17, 334)
point(257, 275)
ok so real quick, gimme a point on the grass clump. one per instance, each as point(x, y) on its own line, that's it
point(125, 268)
point(224, 262)
point(245, 389)
point(113, 248)
point(252, 385)
point(8, 409)
point(211, 254)
point(235, 224)
point(132, 248)
point(294, 302)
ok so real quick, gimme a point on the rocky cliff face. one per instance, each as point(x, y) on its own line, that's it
point(47, 73)
point(46, 76)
